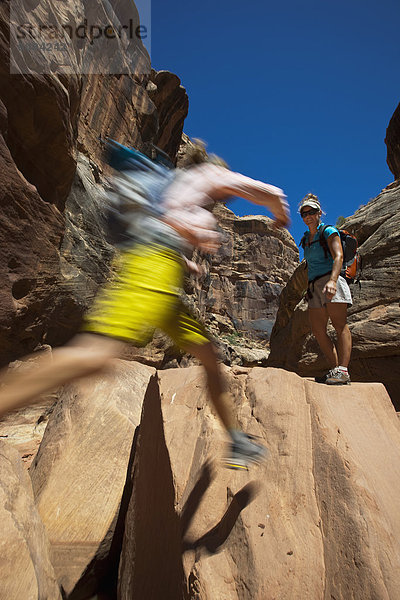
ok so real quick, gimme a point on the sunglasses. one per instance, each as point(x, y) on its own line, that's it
point(312, 211)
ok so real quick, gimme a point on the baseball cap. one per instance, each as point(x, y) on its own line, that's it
point(310, 200)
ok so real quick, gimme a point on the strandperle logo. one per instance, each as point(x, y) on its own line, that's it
point(82, 31)
point(110, 37)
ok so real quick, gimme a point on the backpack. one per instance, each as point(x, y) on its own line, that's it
point(351, 256)
point(136, 189)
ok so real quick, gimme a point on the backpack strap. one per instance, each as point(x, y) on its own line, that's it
point(303, 241)
point(323, 242)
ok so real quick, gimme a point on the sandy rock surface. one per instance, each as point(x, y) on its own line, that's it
point(317, 520)
point(121, 503)
point(24, 429)
point(79, 474)
point(25, 568)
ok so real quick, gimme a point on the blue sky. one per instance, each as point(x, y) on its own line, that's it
point(295, 93)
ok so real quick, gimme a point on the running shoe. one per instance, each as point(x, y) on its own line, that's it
point(324, 377)
point(338, 377)
point(244, 451)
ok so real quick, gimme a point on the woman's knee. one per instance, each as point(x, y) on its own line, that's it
point(206, 353)
point(318, 319)
point(339, 323)
point(318, 327)
point(319, 332)
point(338, 315)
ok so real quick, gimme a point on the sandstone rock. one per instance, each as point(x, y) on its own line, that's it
point(185, 147)
point(38, 122)
point(30, 236)
point(79, 474)
point(25, 568)
point(374, 318)
point(250, 357)
point(172, 103)
point(116, 107)
point(85, 254)
point(354, 432)
point(291, 327)
point(42, 109)
point(48, 281)
point(147, 569)
point(248, 273)
point(392, 141)
point(236, 542)
point(158, 353)
point(52, 247)
point(318, 519)
point(24, 429)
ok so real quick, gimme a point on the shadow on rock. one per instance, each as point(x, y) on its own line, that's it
point(214, 539)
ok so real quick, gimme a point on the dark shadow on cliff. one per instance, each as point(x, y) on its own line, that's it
point(215, 538)
point(151, 564)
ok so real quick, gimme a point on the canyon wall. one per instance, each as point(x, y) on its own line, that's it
point(53, 252)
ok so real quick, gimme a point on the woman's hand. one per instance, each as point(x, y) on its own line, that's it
point(194, 268)
point(329, 289)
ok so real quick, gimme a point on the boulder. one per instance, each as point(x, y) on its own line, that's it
point(24, 428)
point(79, 473)
point(25, 568)
point(354, 433)
point(318, 519)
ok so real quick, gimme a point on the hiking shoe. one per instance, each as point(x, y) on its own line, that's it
point(244, 451)
point(338, 377)
point(324, 377)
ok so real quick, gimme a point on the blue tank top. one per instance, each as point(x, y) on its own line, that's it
point(318, 264)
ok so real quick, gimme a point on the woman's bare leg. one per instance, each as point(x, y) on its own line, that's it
point(337, 312)
point(220, 398)
point(319, 321)
point(85, 355)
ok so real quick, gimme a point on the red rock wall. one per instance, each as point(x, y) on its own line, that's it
point(393, 143)
point(52, 246)
point(247, 274)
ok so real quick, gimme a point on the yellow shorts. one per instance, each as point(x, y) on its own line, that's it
point(144, 296)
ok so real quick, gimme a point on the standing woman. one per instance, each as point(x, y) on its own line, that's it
point(328, 293)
